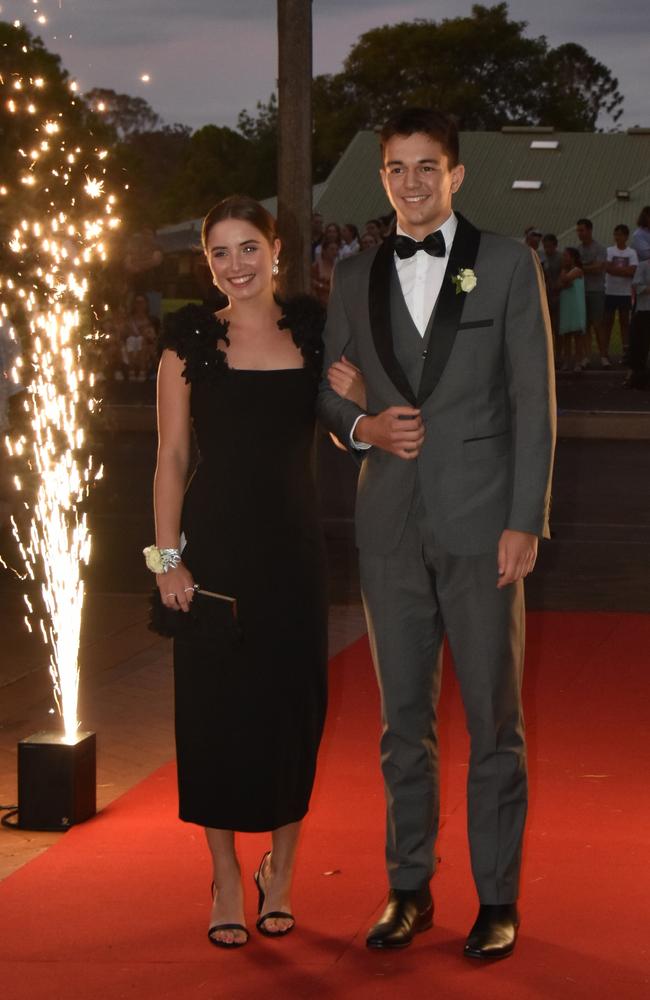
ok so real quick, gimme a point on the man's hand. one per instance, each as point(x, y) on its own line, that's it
point(516, 556)
point(398, 430)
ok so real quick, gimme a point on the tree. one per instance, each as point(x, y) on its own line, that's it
point(481, 67)
point(140, 158)
point(124, 114)
point(32, 76)
point(262, 132)
point(577, 90)
point(218, 162)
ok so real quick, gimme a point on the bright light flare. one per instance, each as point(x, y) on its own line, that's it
point(94, 188)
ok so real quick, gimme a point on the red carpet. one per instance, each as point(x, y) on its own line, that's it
point(118, 908)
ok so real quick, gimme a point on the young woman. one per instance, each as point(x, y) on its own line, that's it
point(323, 268)
point(249, 710)
point(573, 316)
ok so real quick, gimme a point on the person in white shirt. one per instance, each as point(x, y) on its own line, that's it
point(349, 240)
point(619, 271)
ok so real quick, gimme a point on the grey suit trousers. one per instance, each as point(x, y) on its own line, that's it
point(413, 596)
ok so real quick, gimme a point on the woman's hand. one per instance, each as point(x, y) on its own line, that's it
point(347, 381)
point(176, 588)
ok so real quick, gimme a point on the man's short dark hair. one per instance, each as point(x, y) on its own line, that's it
point(437, 125)
point(622, 228)
point(585, 222)
point(550, 238)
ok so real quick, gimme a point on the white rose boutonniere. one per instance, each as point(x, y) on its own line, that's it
point(465, 280)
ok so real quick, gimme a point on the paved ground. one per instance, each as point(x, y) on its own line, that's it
point(598, 559)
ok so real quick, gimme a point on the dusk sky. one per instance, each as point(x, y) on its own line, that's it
point(208, 59)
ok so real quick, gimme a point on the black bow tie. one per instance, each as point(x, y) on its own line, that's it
point(433, 244)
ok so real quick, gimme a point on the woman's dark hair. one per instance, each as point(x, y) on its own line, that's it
point(240, 206)
point(575, 254)
point(437, 125)
point(329, 241)
point(353, 229)
point(643, 222)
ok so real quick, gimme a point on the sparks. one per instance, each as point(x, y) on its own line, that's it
point(94, 188)
point(54, 249)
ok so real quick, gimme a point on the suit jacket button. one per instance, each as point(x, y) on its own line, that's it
point(424, 354)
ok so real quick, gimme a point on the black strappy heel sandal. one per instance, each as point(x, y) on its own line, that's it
point(226, 927)
point(274, 914)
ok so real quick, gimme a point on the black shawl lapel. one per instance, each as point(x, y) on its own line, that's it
point(379, 307)
point(449, 307)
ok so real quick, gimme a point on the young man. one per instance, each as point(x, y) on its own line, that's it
point(450, 330)
point(532, 238)
point(594, 260)
point(619, 271)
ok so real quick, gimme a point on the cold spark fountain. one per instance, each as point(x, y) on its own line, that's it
point(58, 218)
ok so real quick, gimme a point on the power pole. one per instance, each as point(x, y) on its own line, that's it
point(294, 141)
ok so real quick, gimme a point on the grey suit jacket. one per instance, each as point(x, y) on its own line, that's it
point(487, 396)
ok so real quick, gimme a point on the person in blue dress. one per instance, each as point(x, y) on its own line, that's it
point(573, 314)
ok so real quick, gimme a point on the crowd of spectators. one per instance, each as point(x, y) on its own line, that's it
point(130, 341)
point(130, 328)
point(590, 285)
point(331, 243)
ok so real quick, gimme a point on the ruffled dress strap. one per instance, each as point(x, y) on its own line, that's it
point(193, 333)
point(305, 317)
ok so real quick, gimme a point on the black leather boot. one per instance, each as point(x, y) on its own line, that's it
point(407, 912)
point(494, 933)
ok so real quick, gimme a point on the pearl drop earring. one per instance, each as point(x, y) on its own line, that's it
point(275, 270)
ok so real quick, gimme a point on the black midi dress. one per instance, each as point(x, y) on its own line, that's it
point(249, 713)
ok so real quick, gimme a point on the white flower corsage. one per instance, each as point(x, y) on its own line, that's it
point(161, 560)
point(465, 280)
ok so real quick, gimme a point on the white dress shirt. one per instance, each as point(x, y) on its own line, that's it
point(420, 278)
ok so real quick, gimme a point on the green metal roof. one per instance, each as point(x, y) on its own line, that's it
point(354, 192)
point(579, 178)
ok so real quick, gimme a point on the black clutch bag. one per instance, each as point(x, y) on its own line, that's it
point(211, 616)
